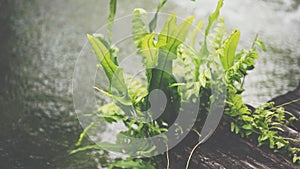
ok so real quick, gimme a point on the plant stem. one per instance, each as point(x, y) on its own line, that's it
point(192, 152)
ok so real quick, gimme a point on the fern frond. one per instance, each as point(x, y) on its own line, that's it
point(138, 26)
point(217, 36)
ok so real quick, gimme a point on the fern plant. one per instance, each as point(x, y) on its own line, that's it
point(171, 55)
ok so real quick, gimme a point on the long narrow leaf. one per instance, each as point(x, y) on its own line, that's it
point(212, 18)
point(229, 48)
point(138, 26)
point(194, 33)
point(169, 39)
point(111, 17)
point(90, 147)
point(113, 72)
point(118, 88)
point(149, 51)
point(152, 24)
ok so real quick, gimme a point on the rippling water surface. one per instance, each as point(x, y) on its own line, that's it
point(41, 39)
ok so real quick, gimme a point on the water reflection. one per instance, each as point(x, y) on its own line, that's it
point(40, 41)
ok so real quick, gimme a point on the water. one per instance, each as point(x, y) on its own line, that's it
point(277, 23)
point(40, 41)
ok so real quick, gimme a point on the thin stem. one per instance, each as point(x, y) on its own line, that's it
point(168, 159)
point(197, 132)
point(197, 73)
point(287, 103)
point(192, 152)
point(256, 36)
point(291, 139)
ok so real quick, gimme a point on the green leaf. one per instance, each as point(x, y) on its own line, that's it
point(109, 108)
point(232, 126)
point(112, 50)
point(111, 17)
point(204, 52)
point(153, 22)
point(296, 158)
point(104, 92)
point(169, 39)
point(194, 33)
point(279, 144)
point(118, 88)
point(271, 141)
point(110, 118)
point(172, 35)
point(261, 44)
point(248, 133)
point(213, 17)
point(237, 129)
point(247, 126)
point(149, 51)
point(139, 27)
point(247, 118)
point(229, 48)
point(216, 37)
point(113, 72)
point(85, 148)
point(111, 112)
point(147, 152)
point(136, 90)
point(84, 133)
point(263, 137)
point(277, 128)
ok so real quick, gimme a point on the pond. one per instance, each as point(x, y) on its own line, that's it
point(40, 41)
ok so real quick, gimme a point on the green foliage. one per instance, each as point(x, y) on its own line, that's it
point(111, 17)
point(213, 17)
point(228, 50)
point(166, 59)
point(217, 35)
point(112, 71)
point(139, 26)
point(266, 122)
point(153, 22)
point(169, 39)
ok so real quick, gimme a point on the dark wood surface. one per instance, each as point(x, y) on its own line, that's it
point(228, 150)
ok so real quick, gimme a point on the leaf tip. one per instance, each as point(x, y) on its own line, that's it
point(89, 36)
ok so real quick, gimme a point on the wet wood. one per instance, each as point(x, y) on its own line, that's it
point(291, 97)
point(228, 150)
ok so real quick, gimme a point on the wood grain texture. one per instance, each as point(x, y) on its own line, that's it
point(228, 150)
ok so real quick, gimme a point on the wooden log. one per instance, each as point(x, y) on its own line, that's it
point(228, 150)
point(291, 103)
